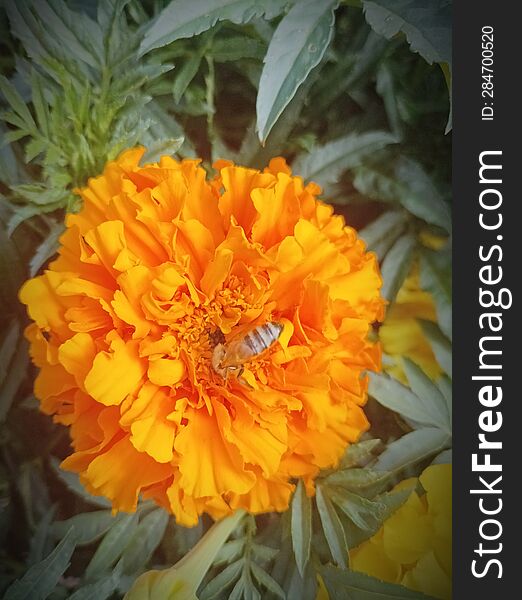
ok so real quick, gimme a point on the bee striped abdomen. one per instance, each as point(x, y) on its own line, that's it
point(262, 337)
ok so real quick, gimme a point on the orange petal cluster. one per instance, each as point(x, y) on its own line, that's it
point(159, 264)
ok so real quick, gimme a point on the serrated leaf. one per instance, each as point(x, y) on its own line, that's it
point(101, 590)
point(425, 23)
point(396, 265)
point(420, 196)
point(365, 482)
point(332, 527)
point(363, 512)
point(40, 538)
point(185, 75)
point(46, 249)
point(301, 526)
point(297, 46)
point(40, 580)
point(380, 234)
point(325, 163)
point(351, 585)
point(40, 104)
point(427, 409)
point(222, 580)
point(439, 343)
point(16, 102)
point(112, 546)
point(265, 580)
point(146, 539)
point(88, 527)
point(230, 551)
point(72, 482)
point(412, 448)
point(424, 388)
point(435, 277)
point(181, 19)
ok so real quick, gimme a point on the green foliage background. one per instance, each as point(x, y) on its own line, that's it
point(355, 95)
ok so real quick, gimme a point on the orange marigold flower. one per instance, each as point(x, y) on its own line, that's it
point(160, 269)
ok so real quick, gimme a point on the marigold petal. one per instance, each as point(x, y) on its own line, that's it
point(166, 371)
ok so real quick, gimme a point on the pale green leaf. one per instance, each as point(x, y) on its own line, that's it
point(431, 396)
point(351, 585)
point(325, 163)
point(427, 409)
point(297, 46)
point(161, 148)
point(222, 580)
point(380, 234)
point(439, 343)
point(181, 19)
point(435, 277)
point(40, 580)
point(88, 527)
point(365, 482)
point(332, 527)
point(101, 590)
point(16, 102)
point(301, 526)
point(265, 580)
point(47, 249)
point(185, 75)
point(146, 539)
point(412, 448)
point(396, 265)
point(112, 546)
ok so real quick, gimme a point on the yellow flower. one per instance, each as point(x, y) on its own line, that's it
point(401, 334)
point(160, 268)
point(413, 547)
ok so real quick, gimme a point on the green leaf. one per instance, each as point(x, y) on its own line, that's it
point(424, 388)
point(297, 46)
point(222, 580)
point(332, 527)
point(420, 196)
point(40, 538)
point(112, 546)
point(16, 102)
point(40, 580)
point(412, 448)
point(380, 234)
point(265, 580)
point(233, 48)
point(301, 526)
point(364, 482)
point(439, 343)
point(146, 539)
point(425, 23)
point(8, 347)
point(72, 482)
point(181, 19)
point(40, 104)
point(102, 589)
point(161, 148)
point(351, 585)
point(435, 277)
point(88, 527)
point(427, 409)
point(396, 265)
point(46, 249)
point(326, 163)
point(363, 512)
point(185, 75)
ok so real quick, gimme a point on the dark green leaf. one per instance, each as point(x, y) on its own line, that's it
point(380, 234)
point(17, 104)
point(40, 580)
point(301, 520)
point(72, 481)
point(297, 46)
point(41, 537)
point(265, 580)
point(46, 249)
point(222, 580)
point(426, 24)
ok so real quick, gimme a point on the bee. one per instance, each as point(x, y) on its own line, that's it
point(230, 357)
